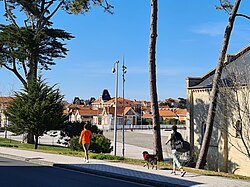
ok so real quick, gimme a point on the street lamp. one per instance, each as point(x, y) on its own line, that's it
point(124, 71)
point(115, 69)
point(5, 127)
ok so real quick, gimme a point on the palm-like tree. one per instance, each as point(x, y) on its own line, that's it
point(152, 80)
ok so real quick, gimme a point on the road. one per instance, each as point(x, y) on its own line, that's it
point(141, 138)
point(15, 173)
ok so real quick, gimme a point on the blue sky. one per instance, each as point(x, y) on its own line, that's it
point(189, 39)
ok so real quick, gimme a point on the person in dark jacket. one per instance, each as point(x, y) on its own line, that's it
point(173, 138)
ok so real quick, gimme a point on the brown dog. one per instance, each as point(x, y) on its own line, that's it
point(150, 159)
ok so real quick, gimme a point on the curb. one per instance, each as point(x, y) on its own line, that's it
point(119, 176)
point(31, 160)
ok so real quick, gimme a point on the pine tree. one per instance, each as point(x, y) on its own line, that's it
point(36, 109)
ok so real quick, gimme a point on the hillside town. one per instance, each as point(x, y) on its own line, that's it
point(137, 114)
point(101, 112)
point(193, 131)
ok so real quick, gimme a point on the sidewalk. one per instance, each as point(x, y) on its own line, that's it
point(122, 171)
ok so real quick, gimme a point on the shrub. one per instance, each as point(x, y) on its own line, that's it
point(72, 129)
point(100, 144)
point(74, 144)
point(106, 157)
point(94, 129)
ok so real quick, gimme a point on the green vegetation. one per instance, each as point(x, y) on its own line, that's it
point(99, 144)
point(36, 109)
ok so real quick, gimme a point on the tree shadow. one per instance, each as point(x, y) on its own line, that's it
point(215, 155)
point(155, 179)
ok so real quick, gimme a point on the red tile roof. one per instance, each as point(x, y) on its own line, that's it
point(180, 111)
point(166, 113)
point(6, 99)
point(147, 115)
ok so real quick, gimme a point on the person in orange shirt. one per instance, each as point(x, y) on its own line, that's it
point(84, 139)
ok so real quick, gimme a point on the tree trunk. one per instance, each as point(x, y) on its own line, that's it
point(201, 162)
point(31, 76)
point(30, 138)
point(36, 142)
point(152, 80)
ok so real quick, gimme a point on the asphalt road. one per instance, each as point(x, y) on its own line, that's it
point(137, 137)
point(15, 173)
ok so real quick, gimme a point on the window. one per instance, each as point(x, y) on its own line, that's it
point(238, 128)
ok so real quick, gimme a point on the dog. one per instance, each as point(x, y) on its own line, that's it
point(150, 159)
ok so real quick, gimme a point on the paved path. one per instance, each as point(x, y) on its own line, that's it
point(119, 170)
point(138, 141)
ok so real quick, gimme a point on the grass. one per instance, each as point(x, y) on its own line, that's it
point(66, 151)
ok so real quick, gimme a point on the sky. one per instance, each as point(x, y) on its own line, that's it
point(190, 34)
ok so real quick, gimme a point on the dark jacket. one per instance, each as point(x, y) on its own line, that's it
point(174, 137)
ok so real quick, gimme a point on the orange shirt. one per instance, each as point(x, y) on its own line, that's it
point(86, 135)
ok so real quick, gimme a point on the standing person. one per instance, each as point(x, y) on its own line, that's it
point(84, 139)
point(173, 138)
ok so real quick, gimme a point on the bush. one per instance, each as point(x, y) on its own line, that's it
point(172, 121)
point(100, 144)
point(74, 144)
point(94, 129)
point(106, 157)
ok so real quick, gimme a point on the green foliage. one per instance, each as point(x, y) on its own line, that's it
point(172, 121)
point(149, 121)
point(94, 129)
point(182, 103)
point(100, 144)
point(225, 5)
point(18, 43)
point(164, 121)
point(74, 144)
point(83, 6)
point(35, 45)
point(183, 122)
point(36, 109)
point(72, 129)
point(106, 157)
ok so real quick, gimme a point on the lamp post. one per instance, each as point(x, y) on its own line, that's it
point(5, 127)
point(124, 71)
point(115, 70)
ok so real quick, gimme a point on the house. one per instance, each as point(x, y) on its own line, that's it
point(4, 101)
point(101, 112)
point(229, 148)
point(166, 114)
point(106, 119)
point(181, 114)
point(80, 113)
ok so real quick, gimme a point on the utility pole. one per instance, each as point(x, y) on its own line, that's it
point(115, 69)
point(124, 71)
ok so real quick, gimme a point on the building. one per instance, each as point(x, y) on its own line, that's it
point(4, 101)
point(229, 148)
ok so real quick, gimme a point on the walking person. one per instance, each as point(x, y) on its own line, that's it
point(84, 139)
point(175, 136)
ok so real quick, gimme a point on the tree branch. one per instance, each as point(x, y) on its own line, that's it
point(243, 15)
point(24, 68)
point(56, 9)
point(10, 14)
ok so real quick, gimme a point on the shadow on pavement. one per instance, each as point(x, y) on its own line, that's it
point(129, 174)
